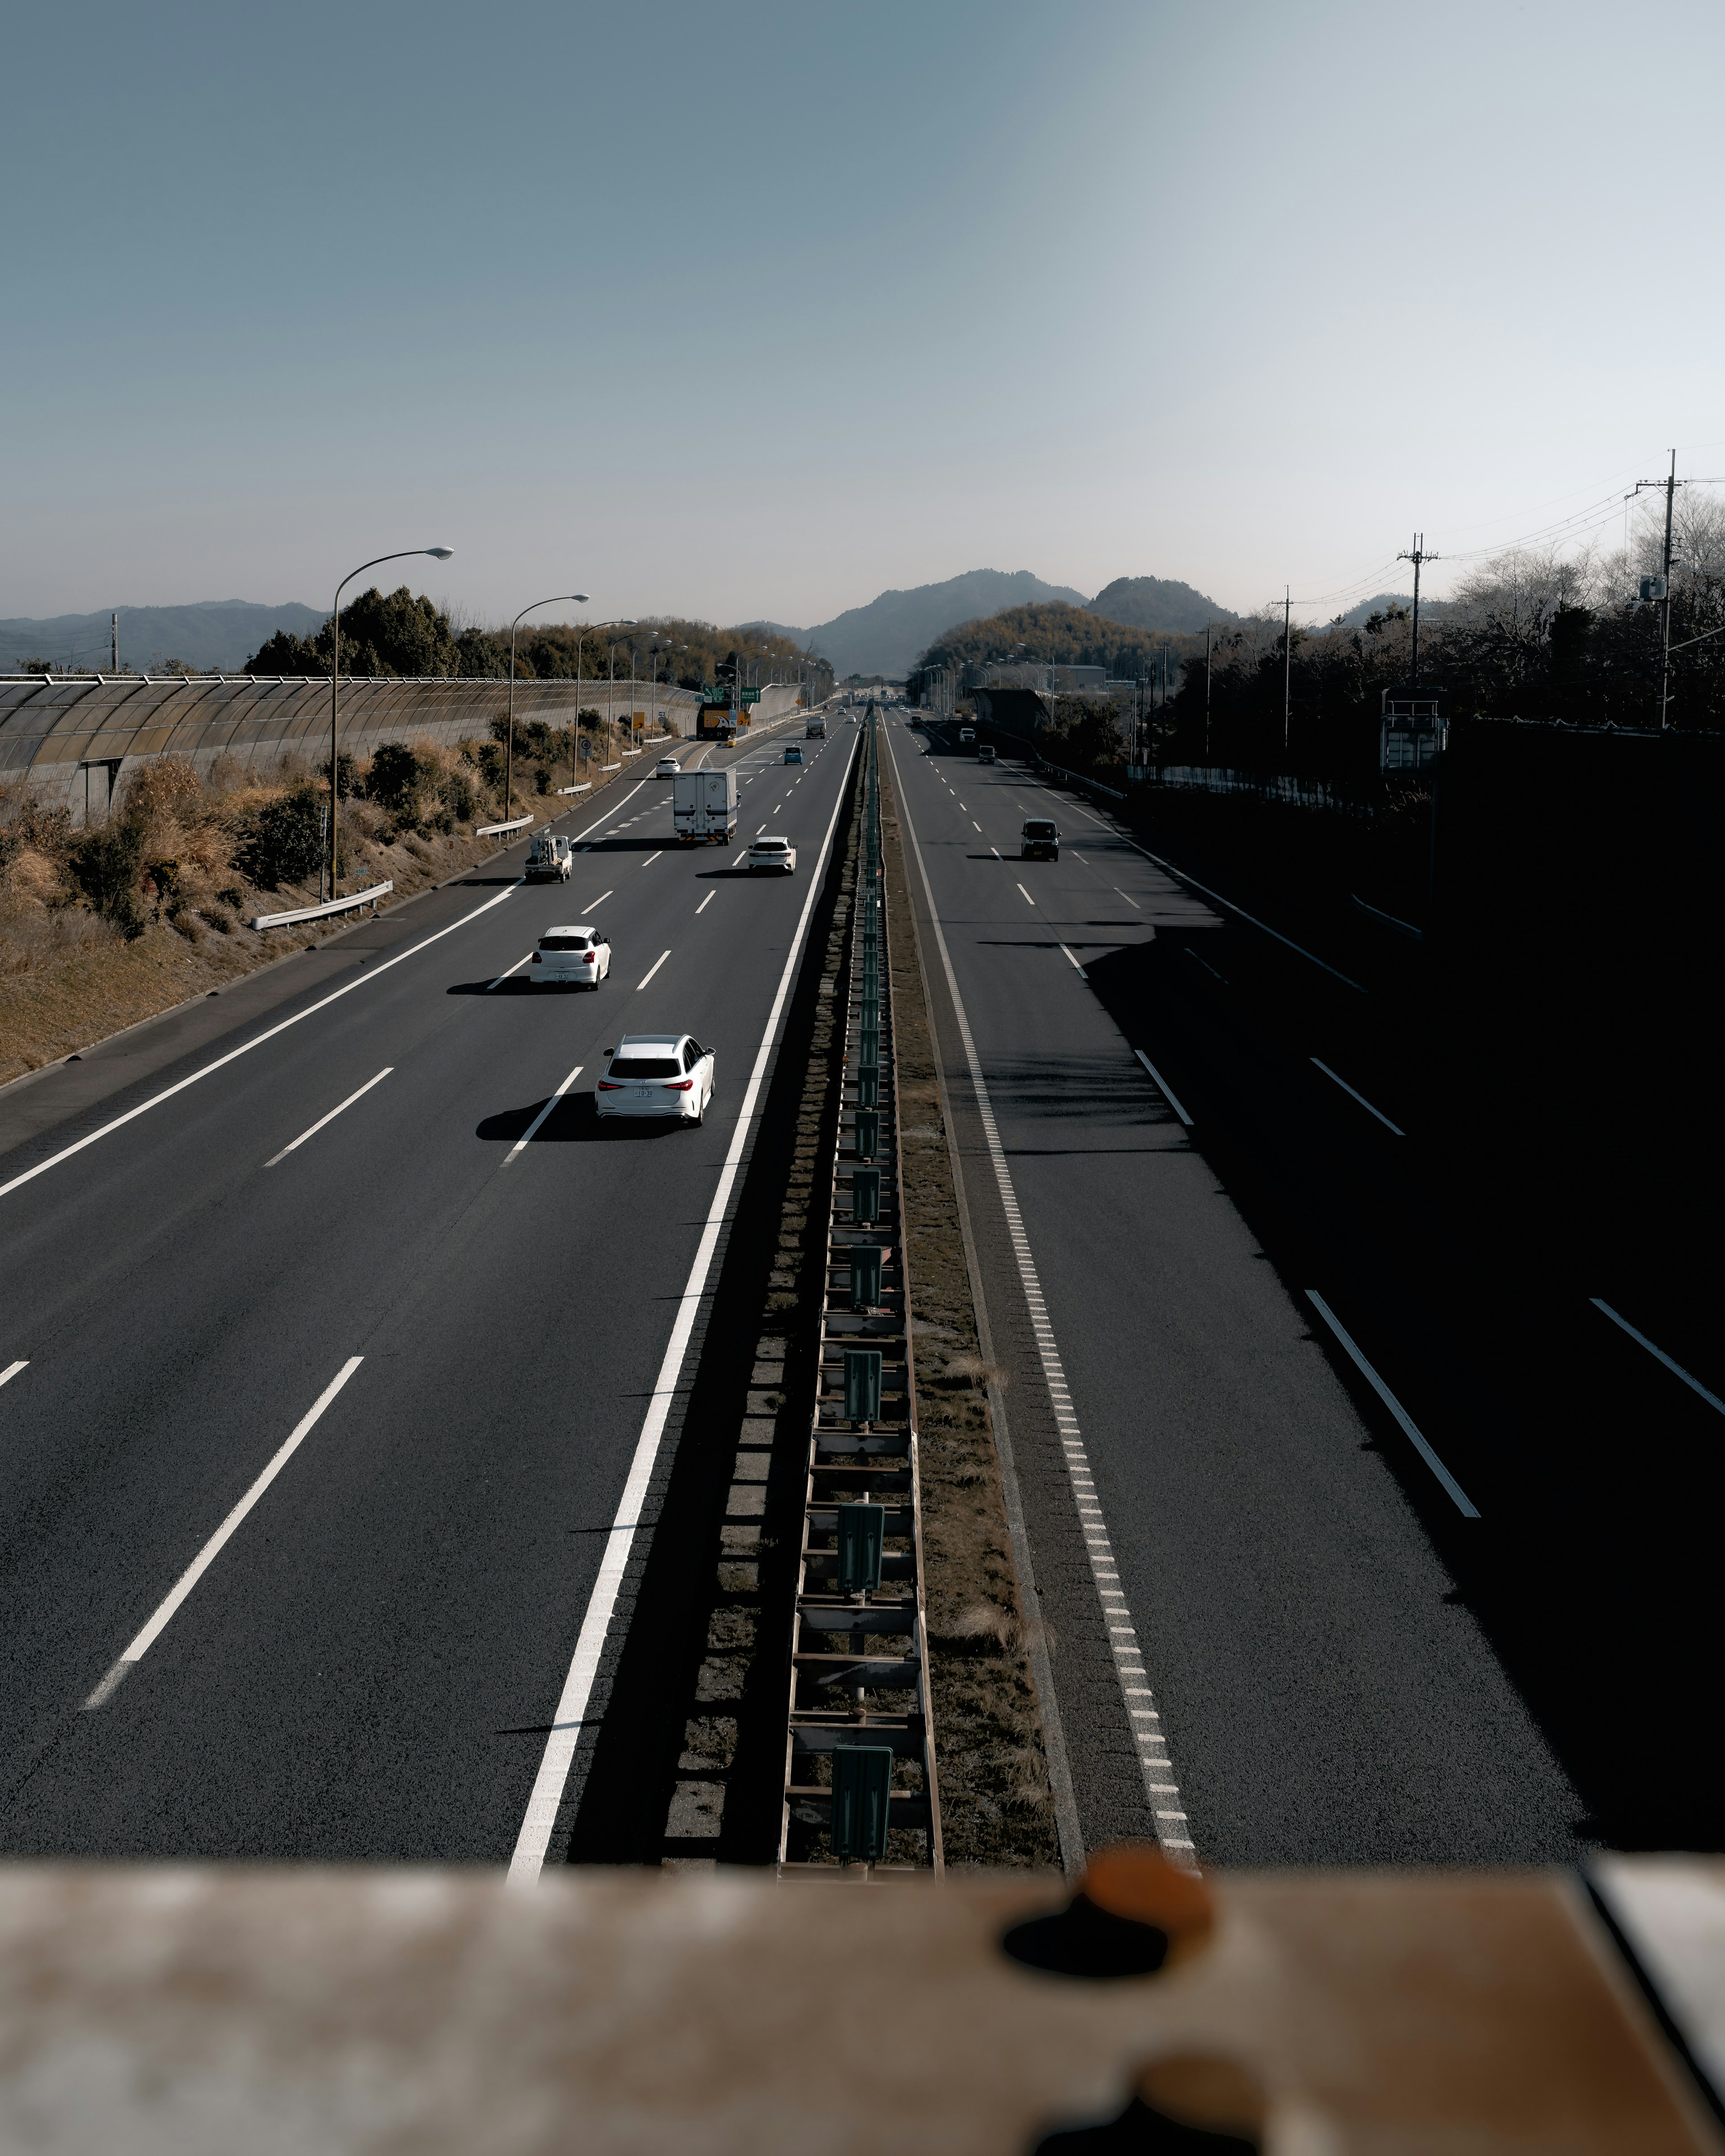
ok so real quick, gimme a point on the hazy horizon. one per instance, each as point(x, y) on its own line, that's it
point(750, 315)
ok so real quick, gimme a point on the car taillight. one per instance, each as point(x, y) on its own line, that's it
point(679, 1084)
point(537, 959)
point(606, 1086)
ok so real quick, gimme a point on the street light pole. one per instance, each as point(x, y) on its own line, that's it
point(407, 553)
point(560, 599)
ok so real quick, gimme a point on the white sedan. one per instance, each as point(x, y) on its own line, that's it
point(772, 854)
point(666, 768)
point(571, 958)
point(656, 1074)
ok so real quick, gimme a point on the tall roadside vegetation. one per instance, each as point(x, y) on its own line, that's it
point(1525, 635)
point(396, 634)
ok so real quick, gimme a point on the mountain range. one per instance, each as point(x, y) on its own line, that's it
point(212, 636)
point(884, 636)
point(887, 635)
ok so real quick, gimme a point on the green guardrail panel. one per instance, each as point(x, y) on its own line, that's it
point(862, 1384)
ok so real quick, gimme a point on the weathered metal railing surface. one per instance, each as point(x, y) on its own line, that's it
point(859, 1764)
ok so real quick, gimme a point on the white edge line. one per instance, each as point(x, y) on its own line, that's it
point(1659, 1355)
point(526, 1138)
point(1167, 1091)
point(1464, 1503)
point(1360, 1097)
point(651, 971)
point(245, 1048)
point(540, 1820)
point(331, 1117)
point(212, 1549)
point(1053, 1377)
point(1180, 876)
point(1082, 975)
point(11, 1369)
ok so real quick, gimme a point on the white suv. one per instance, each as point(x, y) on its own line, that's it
point(656, 1074)
point(772, 854)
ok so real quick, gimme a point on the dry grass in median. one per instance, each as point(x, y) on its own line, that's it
point(996, 1805)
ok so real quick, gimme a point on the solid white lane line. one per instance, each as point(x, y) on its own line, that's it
point(333, 1113)
point(1168, 1091)
point(1029, 900)
point(526, 1137)
point(651, 971)
point(1179, 1847)
point(1659, 1355)
point(552, 1779)
point(1180, 876)
point(1082, 975)
point(707, 901)
point(245, 1048)
point(651, 858)
point(11, 1369)
point(498, 983)
point(1463, 1503)
point(1361, 1098)
point(212, 1549)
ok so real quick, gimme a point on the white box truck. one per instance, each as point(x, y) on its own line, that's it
point(704, 807)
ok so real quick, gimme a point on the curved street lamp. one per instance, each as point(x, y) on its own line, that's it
point(437, 554)
point(557, 598)
point(624, 621)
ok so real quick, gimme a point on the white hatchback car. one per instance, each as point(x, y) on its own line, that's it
point(656, 1074)
point(772, 854)
point(571, 958)
point(666, 768)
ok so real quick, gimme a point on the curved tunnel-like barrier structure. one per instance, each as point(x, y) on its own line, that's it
point(75, 738)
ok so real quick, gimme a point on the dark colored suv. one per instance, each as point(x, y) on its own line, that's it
point(1040, 840)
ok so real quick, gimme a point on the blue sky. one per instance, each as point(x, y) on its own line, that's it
point(758, 309)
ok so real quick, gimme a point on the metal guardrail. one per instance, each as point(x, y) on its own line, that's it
point(368, 896)
point(585, 787)
point(1078, 778)
point(859, 1629)
point(497, 830)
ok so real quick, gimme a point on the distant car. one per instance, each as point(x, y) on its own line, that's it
point(794, 754)
point(1038, 840)
point(967, 733)
point(571, 958)
point(666, 768)
point(772, 854)
point(668, 1075)
point(985, 754)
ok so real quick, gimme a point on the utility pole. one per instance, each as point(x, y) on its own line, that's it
point(1287, 663)
point(1416, 555)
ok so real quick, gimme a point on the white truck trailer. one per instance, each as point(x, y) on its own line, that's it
point(704, 807)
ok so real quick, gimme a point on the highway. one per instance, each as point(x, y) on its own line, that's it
point(1361, 1534)
point(339, 1351)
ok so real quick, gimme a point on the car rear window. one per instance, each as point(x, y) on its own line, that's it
point(770, 846)
point(563, 942)
point(647, 1066)
point(1037, 830)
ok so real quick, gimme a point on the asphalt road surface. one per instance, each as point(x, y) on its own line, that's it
point(325, 1375)
point(1358, 1543)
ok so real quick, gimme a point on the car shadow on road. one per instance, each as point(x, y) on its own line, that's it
point(573, 1121)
